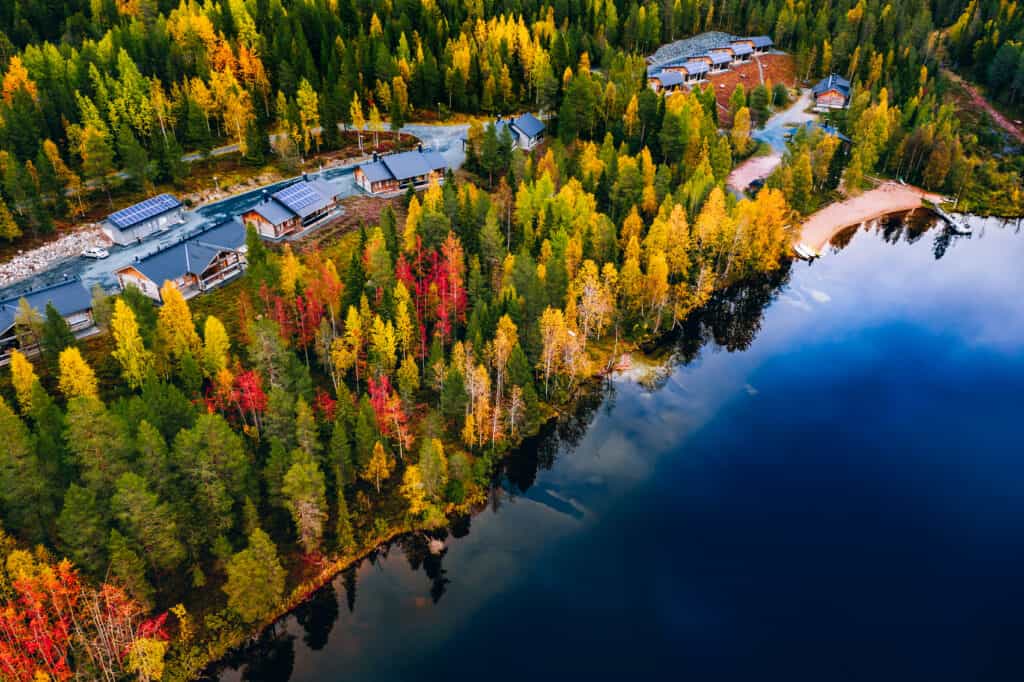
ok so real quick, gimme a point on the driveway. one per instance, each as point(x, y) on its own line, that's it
point(775, 128)
point(773, 134)
point(444, 139)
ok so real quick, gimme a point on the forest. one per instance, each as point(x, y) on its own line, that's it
point(170, 485)
point(107, 95)
point(203, 457)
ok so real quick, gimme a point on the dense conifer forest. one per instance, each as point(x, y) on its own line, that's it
point(168, 486)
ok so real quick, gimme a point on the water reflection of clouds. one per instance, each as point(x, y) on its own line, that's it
point(972, 292)
point(972, 295)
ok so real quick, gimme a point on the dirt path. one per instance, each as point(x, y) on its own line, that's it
point(888, 197)
point(774, 133)
point(979, 101)
point(753, 168)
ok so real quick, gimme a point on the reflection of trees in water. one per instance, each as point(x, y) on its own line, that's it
point(270, 658)
point(317, 616)
point(518, 471)
point(416, 547)
point(906, 226)
point(731, 320)
point(348, 579)
point(459, 525)
point(942, 241)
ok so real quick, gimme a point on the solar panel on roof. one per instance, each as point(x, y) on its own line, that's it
point(142, 211)
point(298, 196)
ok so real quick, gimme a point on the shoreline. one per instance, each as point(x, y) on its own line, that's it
point(888, 197)
point(217, 649)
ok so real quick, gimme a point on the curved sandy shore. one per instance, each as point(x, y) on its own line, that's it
point(888, 197)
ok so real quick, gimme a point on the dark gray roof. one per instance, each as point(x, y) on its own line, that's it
point(229, 234)
point(719, 57)
point(273, 212)
point(304, 197)
point(762, 41)
point(406, 165)
point(668, 78)
point(192, 255)
point(694, 67)
point(741, 48)
point(67, 297)
point(376, 171)
point(435, 161)
point(832, 81)
point(529, 125)
point(143, 211)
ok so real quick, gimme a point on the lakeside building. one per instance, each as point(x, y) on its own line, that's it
point(293, 209)
point(197, 264)
point(392, 174)
point(141, 220)
point(71, 299)
point(831, 92)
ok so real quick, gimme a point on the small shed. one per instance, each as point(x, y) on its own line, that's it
point(529, 131)
point(135, 223)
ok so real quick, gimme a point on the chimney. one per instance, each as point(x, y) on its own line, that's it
point(420, 147)
point(266, 196)
point(305, 178)
point(375, 156)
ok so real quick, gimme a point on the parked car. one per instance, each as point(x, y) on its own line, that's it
point(754, 187)
point(95, 252)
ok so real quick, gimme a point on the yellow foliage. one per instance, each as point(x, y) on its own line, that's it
point(174, 326)
point(413, 490)
point(17, 79)
point(291, 272)
point(146, 658)
point(77, 380)
point(216, 346)
point(24, 380)
point(136, 361)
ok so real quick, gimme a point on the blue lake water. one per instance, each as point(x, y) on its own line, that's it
point(826, 483)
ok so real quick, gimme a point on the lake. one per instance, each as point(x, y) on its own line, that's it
point(825, 481)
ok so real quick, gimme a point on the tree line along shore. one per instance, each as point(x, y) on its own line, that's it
point(172, 484)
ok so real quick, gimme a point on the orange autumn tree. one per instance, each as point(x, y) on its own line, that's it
point(55, 627)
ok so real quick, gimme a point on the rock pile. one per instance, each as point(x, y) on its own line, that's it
point(29, 263)
point(689, 47)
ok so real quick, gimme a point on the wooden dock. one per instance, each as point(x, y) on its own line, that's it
point(954, 224)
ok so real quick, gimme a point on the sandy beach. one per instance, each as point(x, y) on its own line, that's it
point(888, 197)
